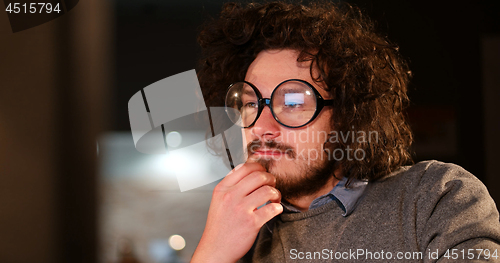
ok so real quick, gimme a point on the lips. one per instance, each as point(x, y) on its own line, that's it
point(267, 153)
point(269, 149)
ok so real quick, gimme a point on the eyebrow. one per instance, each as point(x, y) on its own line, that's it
point(289, 89)
point(248, 91)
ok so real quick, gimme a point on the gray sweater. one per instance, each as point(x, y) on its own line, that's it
point(429, 212)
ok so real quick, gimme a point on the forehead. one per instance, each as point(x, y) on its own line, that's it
point(271, 67)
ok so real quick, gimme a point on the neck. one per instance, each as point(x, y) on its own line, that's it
point(302, 203)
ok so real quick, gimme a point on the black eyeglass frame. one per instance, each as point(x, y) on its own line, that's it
point(262, 102)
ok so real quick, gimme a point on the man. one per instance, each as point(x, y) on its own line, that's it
point(319, 97)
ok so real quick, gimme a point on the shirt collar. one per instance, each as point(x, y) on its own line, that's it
point(346, 198)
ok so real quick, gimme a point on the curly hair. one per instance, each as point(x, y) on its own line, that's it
point(364, 73)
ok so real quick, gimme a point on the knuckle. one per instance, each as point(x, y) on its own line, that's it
point(249, 221)
point(272, 191)
point(278, 193)
point(253, 165)
point(219, 189)
point(242, 168)
point(267, 178)
point(274, 209)
point(263, 178)
point(227, 197)
point(269, 190)
point(259, 177)
point(270, 179)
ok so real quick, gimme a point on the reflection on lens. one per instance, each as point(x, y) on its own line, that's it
point(294, 103)
point(292, 99)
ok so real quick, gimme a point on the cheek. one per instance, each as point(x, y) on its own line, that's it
point(305, 139)
point(324, 119)
point(321, 128)
point(247, 138)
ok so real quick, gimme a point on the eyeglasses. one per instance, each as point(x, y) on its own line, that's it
point(293, 103)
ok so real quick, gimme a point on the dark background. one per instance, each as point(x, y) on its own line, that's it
point(65, 83)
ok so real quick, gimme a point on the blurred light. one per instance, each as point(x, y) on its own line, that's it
point(175, 161)
point(177, 242)
point(174, 139)
point(308, 92)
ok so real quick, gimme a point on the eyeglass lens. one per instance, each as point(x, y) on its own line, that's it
point(293, 103)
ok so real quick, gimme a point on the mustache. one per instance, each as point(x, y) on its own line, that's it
point(256, 145)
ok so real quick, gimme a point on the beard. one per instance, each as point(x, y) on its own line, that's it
point(305, 177)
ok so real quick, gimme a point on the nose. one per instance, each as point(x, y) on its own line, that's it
point(266, 128)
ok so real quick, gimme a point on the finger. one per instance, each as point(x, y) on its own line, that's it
point(239, 172)
point(254, 181)
point(261, 196)
point(267, 212)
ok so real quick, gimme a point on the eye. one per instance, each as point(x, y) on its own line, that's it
point(251, 105)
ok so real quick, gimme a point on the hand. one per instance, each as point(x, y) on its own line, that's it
point(233, 219)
